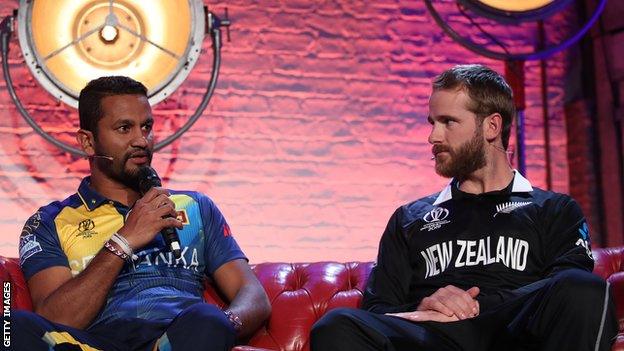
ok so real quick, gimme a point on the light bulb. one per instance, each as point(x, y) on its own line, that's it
point(108, 33)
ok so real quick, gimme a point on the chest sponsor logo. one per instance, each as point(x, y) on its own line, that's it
point(511, 252)
point(85, 228)
point(435, 219)
point(189, 258)
point(28, 246)
point(507, 207)
point(182, 216)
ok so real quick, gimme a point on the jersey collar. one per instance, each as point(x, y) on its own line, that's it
point(520, 185)
point(90, 198)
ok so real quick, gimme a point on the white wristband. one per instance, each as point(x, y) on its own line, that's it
point(123, 244)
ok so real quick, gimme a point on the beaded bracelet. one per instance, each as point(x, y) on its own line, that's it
point(116, 251)
point(234, 319)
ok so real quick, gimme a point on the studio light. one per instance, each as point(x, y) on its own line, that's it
point(515, 10)
point(506, 11)
point(67, 43)
point(516, 6)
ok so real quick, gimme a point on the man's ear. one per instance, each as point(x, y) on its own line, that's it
point(86, 140)
point(492, 126)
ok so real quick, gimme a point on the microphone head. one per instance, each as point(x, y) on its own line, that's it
point(148, 178)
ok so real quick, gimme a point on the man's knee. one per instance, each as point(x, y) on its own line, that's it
point(578, 286)
point(23, 316)
point(27, 329)
point(201, 326)
point(204, 315)
point(26, 321)
point(580, 296)
point(575, 312)
point(333, 323)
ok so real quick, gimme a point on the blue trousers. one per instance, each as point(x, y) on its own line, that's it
point(570, 311)
point(199, 327)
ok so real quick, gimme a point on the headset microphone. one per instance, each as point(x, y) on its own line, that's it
point(110, 158)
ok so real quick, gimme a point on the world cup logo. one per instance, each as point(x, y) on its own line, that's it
point(85, 225)
point(435, 215)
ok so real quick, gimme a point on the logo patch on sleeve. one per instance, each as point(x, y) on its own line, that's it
point(182, 217)
point(28, 246)
point(32, 224)
point(226, 230)
point(584, 239)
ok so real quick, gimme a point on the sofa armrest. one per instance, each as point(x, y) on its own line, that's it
point(608, 261)
point(300, 294)
point(10, 272)
point(609, 265)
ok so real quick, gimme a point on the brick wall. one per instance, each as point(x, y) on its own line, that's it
point(316, 133)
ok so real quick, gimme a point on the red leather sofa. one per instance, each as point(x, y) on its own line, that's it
point(300, 293)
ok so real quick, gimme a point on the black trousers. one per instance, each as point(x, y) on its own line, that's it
point(569, 311)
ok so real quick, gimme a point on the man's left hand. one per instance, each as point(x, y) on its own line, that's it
point(425, 316)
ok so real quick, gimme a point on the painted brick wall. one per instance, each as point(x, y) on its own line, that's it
point(316, 133)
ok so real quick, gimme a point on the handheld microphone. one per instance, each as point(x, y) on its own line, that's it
point(147, 180)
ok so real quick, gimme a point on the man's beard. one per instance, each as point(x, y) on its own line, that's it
point(116, 168)
point(461, 162)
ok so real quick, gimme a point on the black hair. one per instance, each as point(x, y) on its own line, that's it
point(89, 102)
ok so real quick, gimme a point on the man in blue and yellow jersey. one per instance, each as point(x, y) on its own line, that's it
point(99, 272)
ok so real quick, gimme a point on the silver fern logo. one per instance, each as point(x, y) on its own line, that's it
point(507, 207)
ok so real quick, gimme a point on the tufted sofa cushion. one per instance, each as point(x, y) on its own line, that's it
point(301, 293)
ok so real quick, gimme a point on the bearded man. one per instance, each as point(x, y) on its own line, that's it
point(100, 275)
point(488, 263)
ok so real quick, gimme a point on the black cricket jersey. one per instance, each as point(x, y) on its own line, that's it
point(499, 241)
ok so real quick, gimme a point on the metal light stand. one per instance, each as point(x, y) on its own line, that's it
point(213, 28)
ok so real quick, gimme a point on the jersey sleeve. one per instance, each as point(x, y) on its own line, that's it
point(388, 284)
point(566, 246)
point(220, 244)
point(567, 242)
point(39, 246)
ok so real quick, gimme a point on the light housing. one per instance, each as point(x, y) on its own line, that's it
point(212, 26)
point(515, 11)
point(67, 43)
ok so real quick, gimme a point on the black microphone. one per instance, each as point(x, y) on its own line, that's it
point(147, 180)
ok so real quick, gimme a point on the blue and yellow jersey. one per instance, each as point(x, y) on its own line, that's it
point(154, 286)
